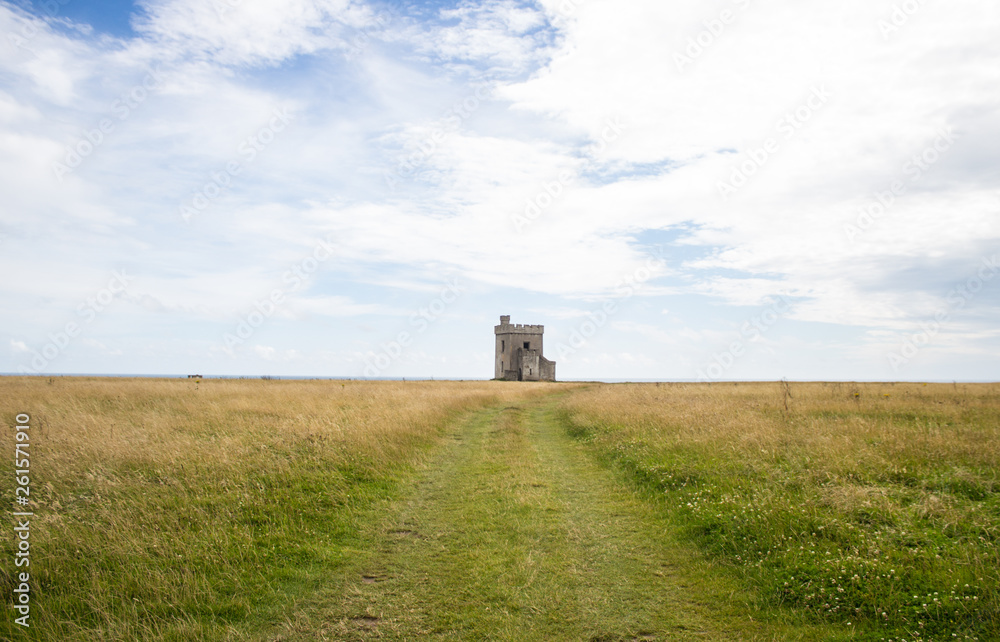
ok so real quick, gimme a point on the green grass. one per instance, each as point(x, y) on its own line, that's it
point(877, 516)
point(512, 532)
point(204, 553)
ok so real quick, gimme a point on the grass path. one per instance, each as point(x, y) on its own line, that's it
point(510, 531)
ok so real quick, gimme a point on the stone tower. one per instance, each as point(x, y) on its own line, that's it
point(519, 353)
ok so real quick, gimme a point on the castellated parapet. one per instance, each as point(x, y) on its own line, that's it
point(519, 353)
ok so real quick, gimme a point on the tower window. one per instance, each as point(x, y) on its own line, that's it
point(503, 345)
point(527, 345)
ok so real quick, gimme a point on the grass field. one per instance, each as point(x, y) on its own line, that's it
point(872, 506)
point(175, 510)
point(287, 510)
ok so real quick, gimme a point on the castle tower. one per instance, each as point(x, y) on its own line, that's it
point(519, 353)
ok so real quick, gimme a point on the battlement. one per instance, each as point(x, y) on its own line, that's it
point(510, 328)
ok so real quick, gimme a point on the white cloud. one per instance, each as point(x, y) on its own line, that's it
point(496, 38)
point(887, 101)
point(264, 352)
point(543, 82)
point(339, 306)
point(248, 32)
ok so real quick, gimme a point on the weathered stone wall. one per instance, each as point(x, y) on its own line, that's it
point(530, 370)
point(515, 344)
point(547, 370)
point(510, 338)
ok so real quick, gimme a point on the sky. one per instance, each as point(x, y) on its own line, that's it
point(677, 190)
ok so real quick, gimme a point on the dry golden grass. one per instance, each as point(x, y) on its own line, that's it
point(853, 426)
point(88, 424)
point(175, 509)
